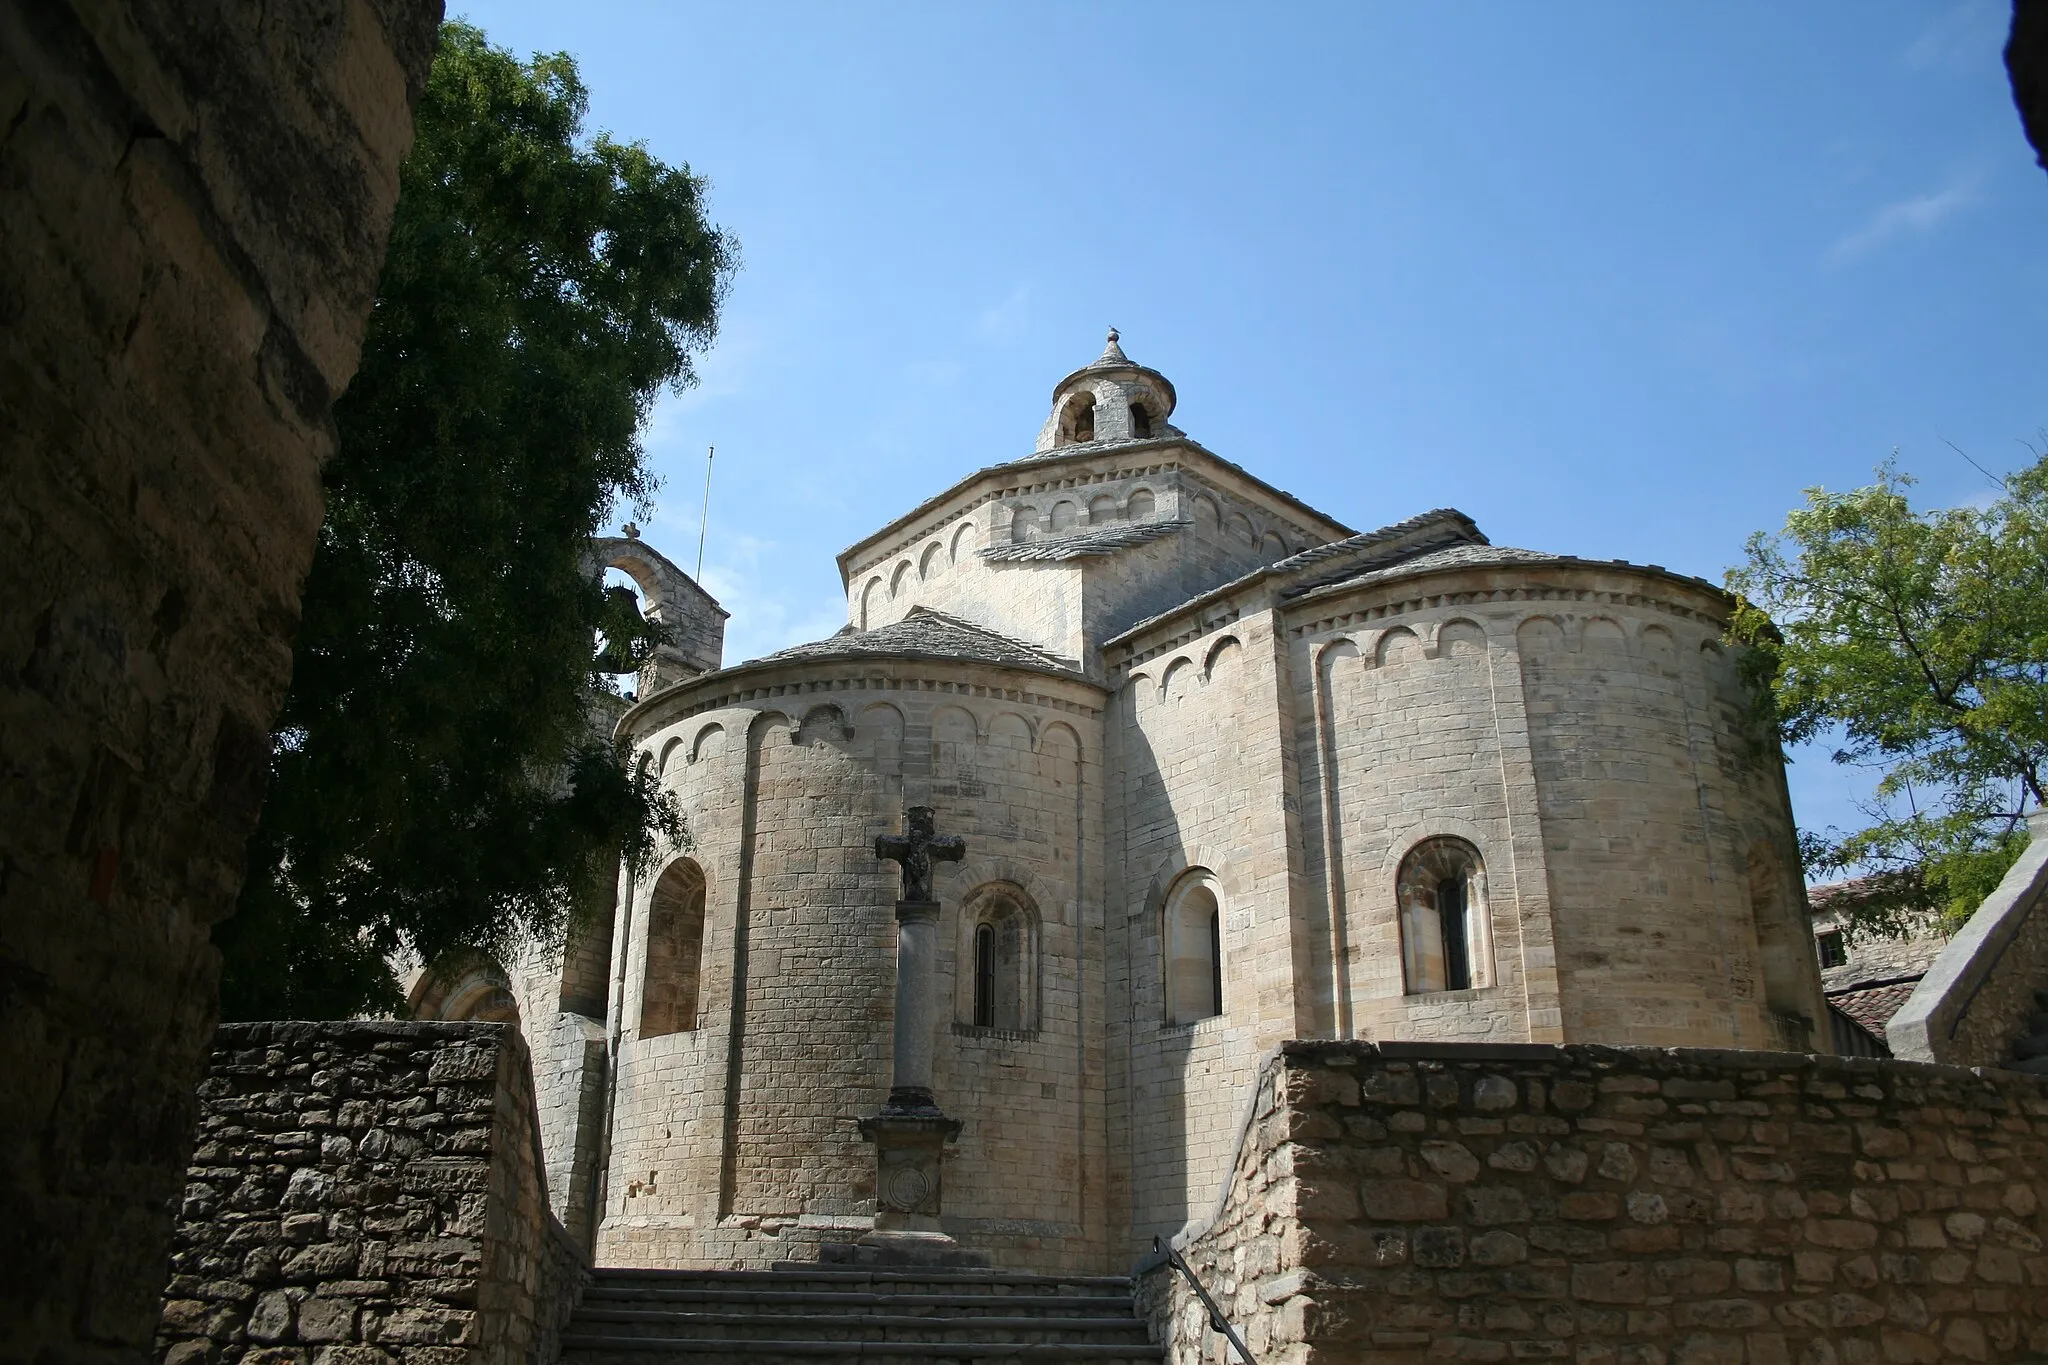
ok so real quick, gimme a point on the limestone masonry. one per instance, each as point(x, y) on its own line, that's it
point(1392, 1204)
point(1229, 774)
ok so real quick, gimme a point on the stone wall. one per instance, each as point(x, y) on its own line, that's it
point(1979, 992)
point(194, 198)
point(373, 1186)
point(1410, 1202)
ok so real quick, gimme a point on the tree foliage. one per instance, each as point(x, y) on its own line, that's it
point(439, 780)
point(1919, 640)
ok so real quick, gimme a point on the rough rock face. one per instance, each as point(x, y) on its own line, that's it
point(194, 199)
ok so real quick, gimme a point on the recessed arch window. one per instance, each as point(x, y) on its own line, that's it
point(999, 958)
point(1194, 949)
point(1446, 936)
point(1023, 523)
point(1141, 421)
point(1101, 509)
point(1142, 506)
point(1064, 516)
point(675, 951)
point(1077, 423)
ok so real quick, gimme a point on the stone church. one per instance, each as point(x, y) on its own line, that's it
point(1228, 772)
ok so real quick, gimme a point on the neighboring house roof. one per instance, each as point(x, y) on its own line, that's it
point(1874, 1006)
point(1083, 544)
point(926, 634)
point(1874, 984)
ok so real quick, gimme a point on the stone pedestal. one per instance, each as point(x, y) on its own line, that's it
point(911, 1132)
point(909, 1183)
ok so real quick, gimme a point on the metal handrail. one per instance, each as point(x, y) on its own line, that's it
point(1216, 1318)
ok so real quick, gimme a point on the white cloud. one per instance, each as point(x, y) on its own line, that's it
point(1904, 218)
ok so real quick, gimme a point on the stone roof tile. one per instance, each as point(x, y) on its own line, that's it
point(1094, 540)
point(926, 634)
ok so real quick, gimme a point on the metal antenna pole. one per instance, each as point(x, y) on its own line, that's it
point(704, 521)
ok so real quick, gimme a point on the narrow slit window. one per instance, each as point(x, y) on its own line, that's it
point(985, 976)
point(1450, 912)
point(1215, 962)
point(1194, 952)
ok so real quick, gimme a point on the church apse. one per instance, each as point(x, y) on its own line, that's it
point(1229, 774)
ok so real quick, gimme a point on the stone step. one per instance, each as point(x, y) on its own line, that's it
point(779, 1301)
point(822, 1313)
point(579, 1350)
point(613, 1323)
point(812, 1278)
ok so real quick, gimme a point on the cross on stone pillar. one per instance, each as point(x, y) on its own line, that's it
point(917, 850)
point(917, 918)
point(911, 1132)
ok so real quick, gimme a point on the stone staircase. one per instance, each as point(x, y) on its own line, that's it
point(818, 1313)
point(2030, 1049)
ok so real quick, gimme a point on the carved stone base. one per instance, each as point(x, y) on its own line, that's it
point(910, 1146)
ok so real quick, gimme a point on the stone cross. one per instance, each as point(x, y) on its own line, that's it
point(917, 849)
point(911, 1132)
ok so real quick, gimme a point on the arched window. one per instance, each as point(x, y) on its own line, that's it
point(1064, 515)
point(1194, 950)
point(1000, 957)
point(1101, 509)
point(899, 582)
point(1446, 937)
point(675, 951)
point(1142, 505)
point(1023, 523)
point(1141, 421)
point(1077, 424)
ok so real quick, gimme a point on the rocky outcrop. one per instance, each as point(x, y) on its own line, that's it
point(194, 199)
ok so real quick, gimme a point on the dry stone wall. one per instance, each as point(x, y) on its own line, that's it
point(194, 198)
point(368, 1194)
point(1416, 1202)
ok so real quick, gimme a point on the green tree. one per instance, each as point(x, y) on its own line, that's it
point(1919, 641)
point(439, 782)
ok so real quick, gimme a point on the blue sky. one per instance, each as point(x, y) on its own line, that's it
point(1618, 280)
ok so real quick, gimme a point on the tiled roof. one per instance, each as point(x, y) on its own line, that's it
point(1460, 555)
point(1095, 540)
point(1874, 1006)
point(1340, 558)
point(926, 634)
